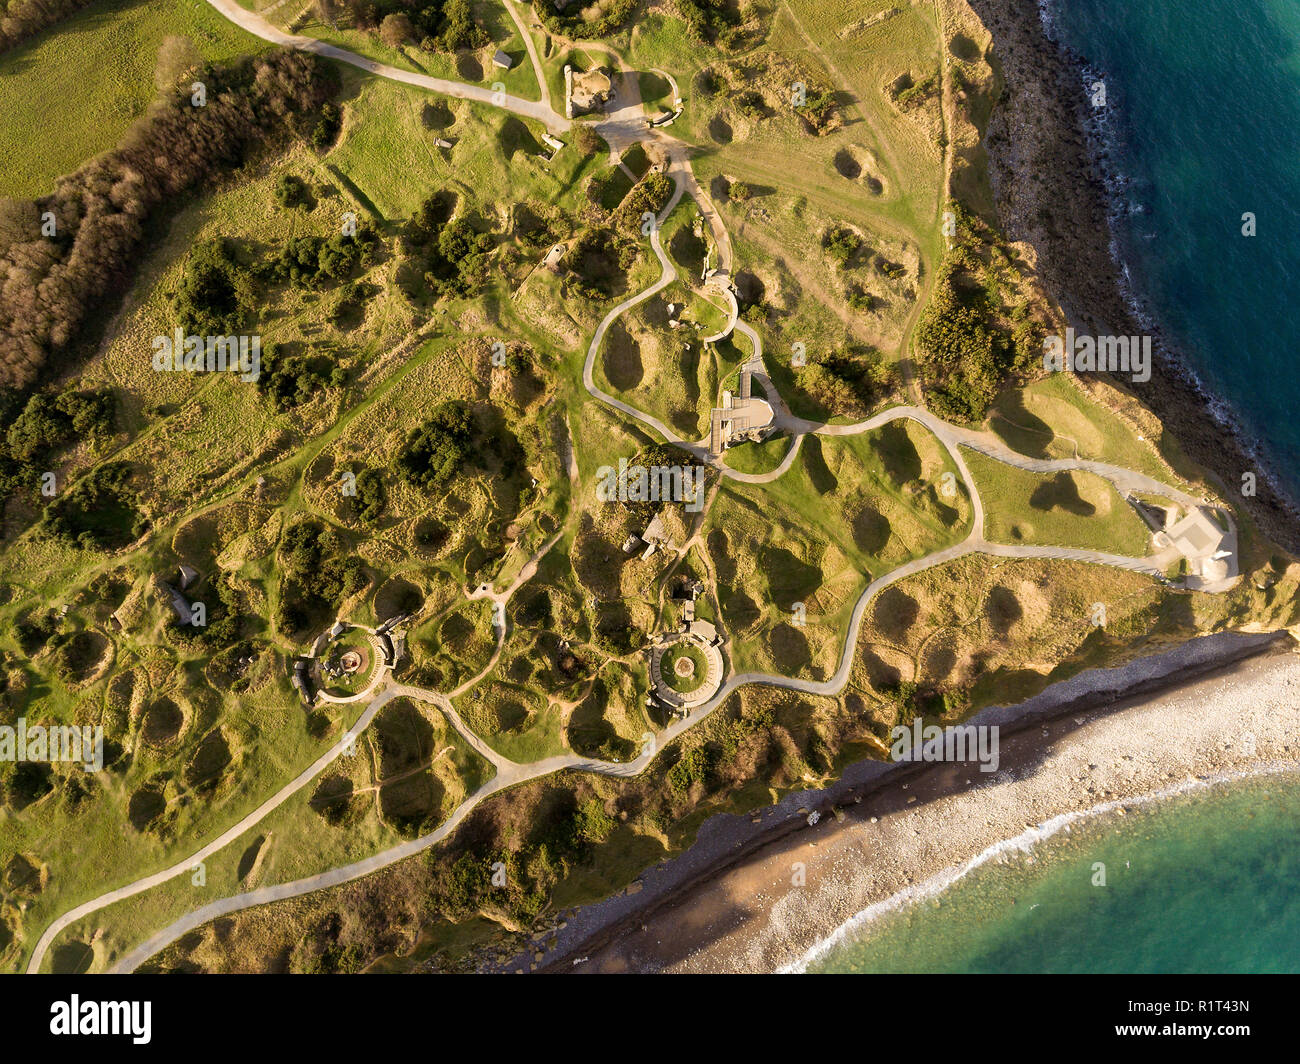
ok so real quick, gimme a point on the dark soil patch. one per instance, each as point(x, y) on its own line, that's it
point(1061, 493)
point(456, 632)
point(846, 165)
point(789, 648)
point(739, 610)
point(71, 958)
point(209, 762)
point(688, 250)
point(1002, 610)
point(79, 656)
point(871, 530)
point(622, 358)
point(161, 723)
point(789, 580)
point(814, 461)
point(404, 737)
point(332, 799)
point(397, 597)
point(22, 875)
point(410, 804)
point(430, 536)
point(938, 661)
point(249, 857)
point(898, 454)
point(895, 612)
point(468, 66)
point(144, 807)
point(881, 675)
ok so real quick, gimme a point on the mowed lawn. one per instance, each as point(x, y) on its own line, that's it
point(71, 93)
point(1067, 509)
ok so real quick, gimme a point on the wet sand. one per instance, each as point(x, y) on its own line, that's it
point(926, 821)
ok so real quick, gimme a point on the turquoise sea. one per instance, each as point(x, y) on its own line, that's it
point(1203, 882)
point(1203, 126)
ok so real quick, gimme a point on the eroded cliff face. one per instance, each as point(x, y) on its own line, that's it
point(1048, 178)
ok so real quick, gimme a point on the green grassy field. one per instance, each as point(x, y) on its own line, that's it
point(1072, 509)
point(71, 92)
point(222, 474)
point(848, 510)
point(299, 839)
point(1053, 418)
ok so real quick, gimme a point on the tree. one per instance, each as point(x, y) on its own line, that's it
point(396, 30)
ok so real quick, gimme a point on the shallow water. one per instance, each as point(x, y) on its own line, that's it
point(1202, 882)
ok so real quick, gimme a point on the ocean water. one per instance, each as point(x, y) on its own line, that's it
point(1201, 882)
point(1202, 125)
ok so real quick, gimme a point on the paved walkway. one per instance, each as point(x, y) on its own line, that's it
point(510, 773)
point(255, 24)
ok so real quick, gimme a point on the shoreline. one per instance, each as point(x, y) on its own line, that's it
point(688, 893)
point(1024, 843)
point(1050, 174)
point(1050, 171)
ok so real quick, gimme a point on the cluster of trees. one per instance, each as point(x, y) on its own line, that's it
point(818, 111)
point(455, 439)
point(99, 512)
point(48, 422)
point(292, 191)
point(371, 498)
point(562, 838)
point(715, 22)
point(327, 127)
point(851, 382)
point(291, 380)
point(224, 616)
point(304, 260)
point(650, 194)
point(908, 93)
point(34, 427)
point(448, 252)
point(20, 19)
point(316, 575)
point(441, 448)
point(968, 346)
point(34, 631)
point(752, 105)
point(842, 244)
point(216, 295)
point(575, 24)
point(436, 25)
point(99, 214)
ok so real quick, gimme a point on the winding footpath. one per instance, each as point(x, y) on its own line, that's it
point(539, 111)
point(509, 773)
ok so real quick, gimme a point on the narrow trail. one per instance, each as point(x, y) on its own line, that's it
point(510, 773)
point(258, 26)
point(533, 57)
